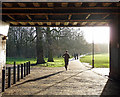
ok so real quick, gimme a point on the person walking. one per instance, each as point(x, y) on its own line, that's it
point(66, 57)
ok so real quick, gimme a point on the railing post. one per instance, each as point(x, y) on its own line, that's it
point(9, 77)
point(24, 70)
point(3, 80)
point(18, 72)
point(21, 71)
point(29, 67)
point(14, 73)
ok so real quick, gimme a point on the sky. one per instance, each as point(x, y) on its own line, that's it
point(99, 34)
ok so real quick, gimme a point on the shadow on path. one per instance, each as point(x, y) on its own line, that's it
point(112, 89)
point(60, 82)
point(43, 77)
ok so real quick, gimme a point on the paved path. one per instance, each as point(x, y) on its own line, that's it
point(78, 80)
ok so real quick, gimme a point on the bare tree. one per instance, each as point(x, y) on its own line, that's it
point(39, 46)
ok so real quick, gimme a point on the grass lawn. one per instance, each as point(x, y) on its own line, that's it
point(101, 60)
point(58, 62)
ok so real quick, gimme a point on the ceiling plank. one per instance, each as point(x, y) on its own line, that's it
point(11, 17)
point(78, 4)
point(22, 4)
point(8, 4)
point(50, 4)
point(118, 4)
point(36, 4)
point(92, 4)
point(64, 4)
point(106, 4)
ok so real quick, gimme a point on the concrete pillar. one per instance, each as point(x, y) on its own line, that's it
point(3, 35)
point(115, 47)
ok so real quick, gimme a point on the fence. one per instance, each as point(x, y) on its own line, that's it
point(13, 74)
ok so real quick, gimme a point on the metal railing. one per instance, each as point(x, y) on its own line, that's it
point(12, 74)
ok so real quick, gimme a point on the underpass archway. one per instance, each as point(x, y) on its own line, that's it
point(69, 14)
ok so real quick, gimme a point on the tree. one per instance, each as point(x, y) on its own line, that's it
point(49, 42)
point(39, 46)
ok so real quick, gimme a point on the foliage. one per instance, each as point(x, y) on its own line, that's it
point(22, 41)
point(100, 60)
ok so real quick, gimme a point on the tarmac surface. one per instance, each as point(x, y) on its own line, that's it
point(79, 79)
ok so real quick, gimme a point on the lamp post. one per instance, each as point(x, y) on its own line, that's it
point(92, 49)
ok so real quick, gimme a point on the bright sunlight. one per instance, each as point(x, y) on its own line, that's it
point(99, 34)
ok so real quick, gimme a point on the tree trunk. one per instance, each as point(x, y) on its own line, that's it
point(49, 41)
point(39, 46)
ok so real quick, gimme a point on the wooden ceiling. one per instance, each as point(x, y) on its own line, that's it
point(60, 14)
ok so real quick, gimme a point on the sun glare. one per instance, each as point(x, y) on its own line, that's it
point(98, 34)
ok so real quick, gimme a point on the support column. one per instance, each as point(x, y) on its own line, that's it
point(115, 48)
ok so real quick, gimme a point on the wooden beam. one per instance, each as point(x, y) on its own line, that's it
point(57, 8)
point(50, 4)
point(22, 4)
point(40, 23)
point(69, 17)
point(8, 4)
point(118, 4)
point(36, 4)
point(74, 23)
point(64, 4)
point(57, 23)
point(88, 16)
point(78, 4)
point(92, 4)
point(83, 23)
point(11, 17)
point(29, 17)
point(14, 23)
point(23, 23)
point(82, 20)
point(106, 4)
point(49, 23)
point(106, 16)
point(66, 23)
point(102, 23)
point(31, 23)
point(59, 13)
point(92, 23)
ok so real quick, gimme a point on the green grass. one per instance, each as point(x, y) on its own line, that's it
point(20, 60)
point(58, 62)
point(100, 60)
